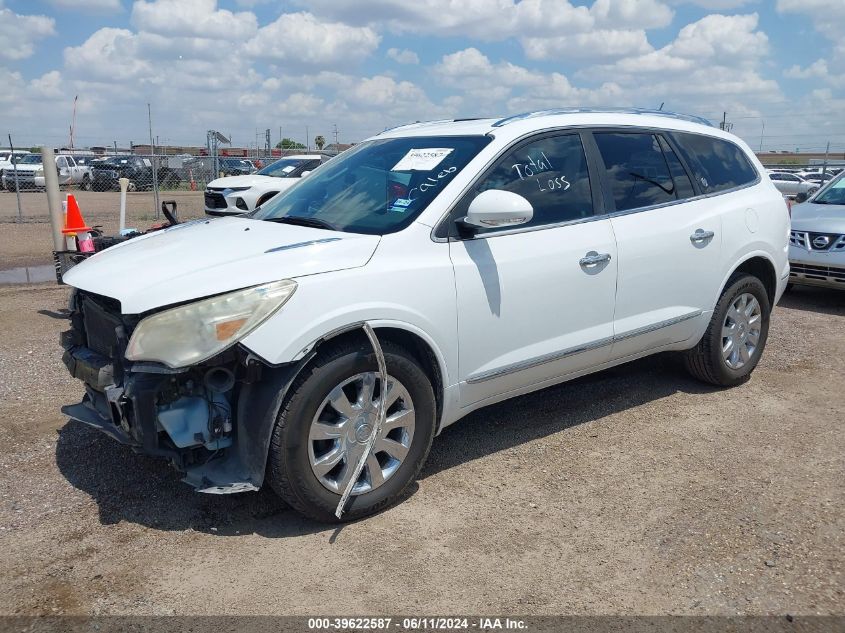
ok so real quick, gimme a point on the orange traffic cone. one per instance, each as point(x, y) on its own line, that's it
point(75, 225)
point(193, 182)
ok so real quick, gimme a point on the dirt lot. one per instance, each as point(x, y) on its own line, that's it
point(30, 242)
point(636, 490)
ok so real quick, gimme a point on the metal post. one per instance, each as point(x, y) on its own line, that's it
point(153, 162)
point(54, 200)
point(824, 166)
point(17, 185)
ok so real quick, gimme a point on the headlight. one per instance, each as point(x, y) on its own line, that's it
point(195, 332)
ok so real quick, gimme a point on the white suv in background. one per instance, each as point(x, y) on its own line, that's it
point(233, 195)
point(431, 270)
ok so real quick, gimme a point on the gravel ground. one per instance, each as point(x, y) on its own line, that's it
point(634, 491)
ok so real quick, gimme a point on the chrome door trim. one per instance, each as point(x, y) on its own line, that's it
point(588, 347)
point(657, 326)
point(539, 360)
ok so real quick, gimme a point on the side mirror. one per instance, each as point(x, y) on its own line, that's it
point(497, 208)
point(801, 197)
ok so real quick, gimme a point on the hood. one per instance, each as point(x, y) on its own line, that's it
point(29, 168)
point(252, 180)
point(208, 257)
point(818, 218)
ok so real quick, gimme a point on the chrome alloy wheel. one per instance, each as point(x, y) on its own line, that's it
point(741, 331)
point(343, 424)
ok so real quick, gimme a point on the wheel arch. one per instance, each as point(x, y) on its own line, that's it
point(411, 339)
point(264, 197)
point(758, 265)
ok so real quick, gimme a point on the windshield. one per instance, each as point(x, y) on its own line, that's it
point(376, 188)
point(832, 193)
point(29, 159)
point(281, 168)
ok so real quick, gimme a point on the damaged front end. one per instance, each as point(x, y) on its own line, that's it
point(212, 420)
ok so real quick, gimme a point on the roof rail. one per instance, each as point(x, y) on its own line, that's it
point(539, 113)
point(401, 125)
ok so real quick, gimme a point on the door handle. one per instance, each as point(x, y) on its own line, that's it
point(593, 258)
point(701, 235)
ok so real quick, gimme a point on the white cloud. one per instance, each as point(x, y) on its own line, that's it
point(301, 38)
point(817, 69)
point(193, 18)
point(89, 6)
point(486, 20)
point(403, 56)
point(19, 33)
point(488, 84)
point(109, 55)
point(595, 45)
point(716, 5)
point(632, 14)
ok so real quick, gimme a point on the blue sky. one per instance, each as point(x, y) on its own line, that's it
point(246, 65)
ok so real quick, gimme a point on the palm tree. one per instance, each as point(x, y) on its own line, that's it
point(319, 141)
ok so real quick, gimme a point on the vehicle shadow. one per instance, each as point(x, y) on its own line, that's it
point(811, 299)
point(146, 491)
point(541, 413)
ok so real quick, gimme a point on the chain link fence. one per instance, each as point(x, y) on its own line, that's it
point(155, 175)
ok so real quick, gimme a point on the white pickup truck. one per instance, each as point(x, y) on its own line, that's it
point(31, 173)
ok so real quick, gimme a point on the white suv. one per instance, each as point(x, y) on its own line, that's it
point(467, 262)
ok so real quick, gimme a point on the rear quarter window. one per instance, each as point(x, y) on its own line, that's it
point(717, 164)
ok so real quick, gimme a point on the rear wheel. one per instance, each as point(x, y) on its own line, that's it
point(86, 183)
point(324, 424)
point(132, 186)
point(736, 335)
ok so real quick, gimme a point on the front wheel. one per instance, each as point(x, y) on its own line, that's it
point(736, 335)
point(326, 420)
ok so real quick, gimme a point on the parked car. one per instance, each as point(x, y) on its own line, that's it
point(234, 195)
point(792, 184)
point(26, 168)
point(817, 239)
point(8, 158)
point(31, 173)
point(139, 171)
point(235, 166)
point(491, 258)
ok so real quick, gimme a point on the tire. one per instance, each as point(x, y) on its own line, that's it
point(290, 472)
point(86, 183)
point(707, 361)
point(132, 186)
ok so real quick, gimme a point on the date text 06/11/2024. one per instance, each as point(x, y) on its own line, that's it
point(416, 624)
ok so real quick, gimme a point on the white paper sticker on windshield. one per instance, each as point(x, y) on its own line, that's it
point(424, 159)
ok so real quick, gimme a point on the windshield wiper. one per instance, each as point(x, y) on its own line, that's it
point(301, 221)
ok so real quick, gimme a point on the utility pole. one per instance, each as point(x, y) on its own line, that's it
point(761, 135)
point(307, 142)
point(724, 122)
point(337, 149)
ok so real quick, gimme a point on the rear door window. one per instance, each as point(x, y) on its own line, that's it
point(637, 169)
point(717, 164)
